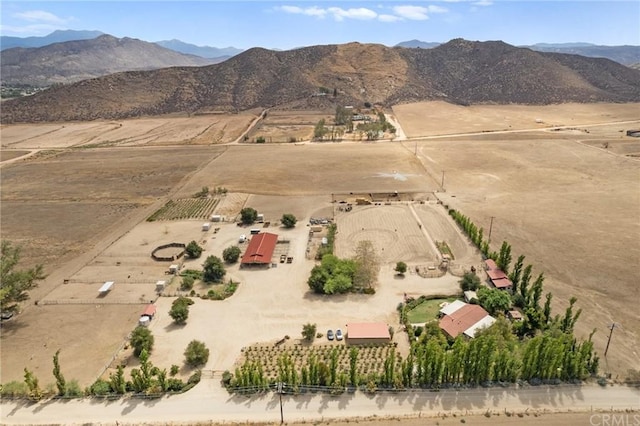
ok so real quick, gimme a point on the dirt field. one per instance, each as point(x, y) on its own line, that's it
point(570, 207)
point(441, 118)
point(196, 130)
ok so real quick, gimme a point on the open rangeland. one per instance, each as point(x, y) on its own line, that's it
point(571, 208)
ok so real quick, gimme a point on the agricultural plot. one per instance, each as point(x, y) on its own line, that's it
point(186, 208)
point(393, 230)
point(370, 358)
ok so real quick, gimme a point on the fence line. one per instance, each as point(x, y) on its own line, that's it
point(97, 301)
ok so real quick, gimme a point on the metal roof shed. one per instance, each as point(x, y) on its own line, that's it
point(106, 287)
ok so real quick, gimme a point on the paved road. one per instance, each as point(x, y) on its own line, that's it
point(209, 402)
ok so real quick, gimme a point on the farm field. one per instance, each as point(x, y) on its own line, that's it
point(441, 118)
point(196, 130)
point(570, 207)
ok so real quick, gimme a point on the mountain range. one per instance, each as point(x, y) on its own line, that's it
point(460, 71)
point(71, 61)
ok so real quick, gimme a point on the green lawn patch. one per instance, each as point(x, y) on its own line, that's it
point(426, 311)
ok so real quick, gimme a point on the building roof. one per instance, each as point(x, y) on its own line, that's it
point(469, 294)
point(260, 249)
point(491, 264)
point(463, 319)
point(496, 274)
point(502, 283)
point(150, 310)
point(450, 308)
point(483, 323)
point(515, 315)
point(368, 330)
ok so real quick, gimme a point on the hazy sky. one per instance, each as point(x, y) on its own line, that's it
point(288, 24)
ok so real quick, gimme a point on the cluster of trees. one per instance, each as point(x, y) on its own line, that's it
point(321, 130)
point(145, 379)
point(335, 275)
point(374, 129)
point(331, 240)
point(15, 284)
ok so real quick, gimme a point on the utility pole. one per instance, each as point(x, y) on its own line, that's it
point(442, 183)
point(280, 392)
point(490, 229)
point(611, 327)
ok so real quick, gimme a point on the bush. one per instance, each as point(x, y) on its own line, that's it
point(179, 312)
point(309, 331)
point(260, 139)
point(73, 389)
point(288, 220)
point(469, 282)
point(196, 354)
point(226, 378)
point(174, 370)
point(187, 283)
point(231, 254)
point(100, 388)
point(14, 389)
point(401, 268)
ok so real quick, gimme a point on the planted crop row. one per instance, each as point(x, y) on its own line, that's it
point(185, 208)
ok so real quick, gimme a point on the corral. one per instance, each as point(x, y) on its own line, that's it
point(568, 206)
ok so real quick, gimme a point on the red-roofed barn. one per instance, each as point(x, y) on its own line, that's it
point(260, 249)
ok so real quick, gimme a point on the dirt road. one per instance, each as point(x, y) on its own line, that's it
point(209, 402)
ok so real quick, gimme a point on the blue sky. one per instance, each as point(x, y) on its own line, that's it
point(289, 24)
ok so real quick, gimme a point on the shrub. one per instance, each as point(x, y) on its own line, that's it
point(288, 220)
point(187, 283)
point(231, 254)
point(14, 389)
point(174, 370)
point(260, 139)
point(196, 354)
point(73, 389)
point(213, 270)
point(401, 268)
point(100, 388)
point(309, 331)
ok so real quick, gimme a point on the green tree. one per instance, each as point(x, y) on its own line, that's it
point(193, 250)
point(117, 381)
point(288, 220)
point(196, 354)
point(343, 115)
point(504, 257)
point(320, 130)
point(231, 254)
point(15, 284)
point(493, 300)
point(248, 215)
point(61, 383)
point(141, 339)
point(401, 268)
point(309, 332)
point(213, 270)
point(514, 276)
point(32, 384)
point(179, 311)
point(469, 282)
point(318, 279)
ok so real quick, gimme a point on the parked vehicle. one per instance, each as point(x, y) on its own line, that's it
point(330, 334)
point(339, 334)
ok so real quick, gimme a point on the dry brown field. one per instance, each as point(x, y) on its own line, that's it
point(195, 130)
point(571, 208)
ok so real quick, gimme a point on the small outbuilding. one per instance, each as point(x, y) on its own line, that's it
point(160, 285)
point(149, 311)
point(216, 218)
point(363, 333)
point(173, 269)
point(106, 287)
point(206, 226)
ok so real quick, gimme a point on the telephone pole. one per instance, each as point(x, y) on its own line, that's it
point(490, 229)
point(442, 183)
point(611, 327)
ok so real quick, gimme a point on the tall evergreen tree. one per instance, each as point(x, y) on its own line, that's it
point(61, 384)
point(514, 276)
